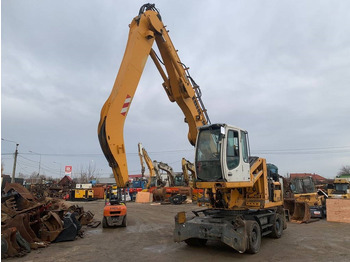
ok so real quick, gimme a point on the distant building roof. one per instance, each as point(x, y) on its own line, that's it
point(65, 180)
point(344, 176)
point(314, 176)
point(111, 180)
point(7, 179)
point(135, 176)
point(106, 180)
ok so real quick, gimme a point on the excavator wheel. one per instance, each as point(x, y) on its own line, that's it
point(254, 237)
point(196, 242)
point(277, 226)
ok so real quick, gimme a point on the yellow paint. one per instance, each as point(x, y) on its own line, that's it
point(144, 30)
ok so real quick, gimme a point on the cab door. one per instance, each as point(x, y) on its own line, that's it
point(236, 162)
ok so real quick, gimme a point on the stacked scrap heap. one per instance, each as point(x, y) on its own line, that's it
point(27, 223)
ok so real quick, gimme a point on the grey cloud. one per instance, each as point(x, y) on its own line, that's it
point(278, 69)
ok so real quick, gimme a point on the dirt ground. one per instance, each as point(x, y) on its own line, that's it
point(149, 237)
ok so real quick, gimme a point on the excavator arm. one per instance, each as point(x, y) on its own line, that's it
point(145, 157)
point(146, 28)
point(188, 166)
point(139, 146)
point(168, 169)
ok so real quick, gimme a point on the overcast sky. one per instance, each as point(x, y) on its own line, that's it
point(279, 69)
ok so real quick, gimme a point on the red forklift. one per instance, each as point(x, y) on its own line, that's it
point(114, 212)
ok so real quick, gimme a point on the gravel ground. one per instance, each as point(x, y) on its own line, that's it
point(148, 237)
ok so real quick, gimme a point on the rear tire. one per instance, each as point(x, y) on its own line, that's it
point(104, 222)
point(196, 242)
point(254, 237)
point(277, 227)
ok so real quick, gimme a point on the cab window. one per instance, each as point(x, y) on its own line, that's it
point(244, 147)
point(232, 153)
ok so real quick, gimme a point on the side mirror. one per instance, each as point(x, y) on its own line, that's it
point(222, 130)
point(222, 133)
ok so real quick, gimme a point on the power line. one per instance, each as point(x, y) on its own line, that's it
point(304, 149)
point(28, 159)
point(304, 153)
point(290, 151)
point(100, 154)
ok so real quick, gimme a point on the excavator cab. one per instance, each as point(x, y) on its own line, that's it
point(179, 180)
point(222, 154)
point(341, 188)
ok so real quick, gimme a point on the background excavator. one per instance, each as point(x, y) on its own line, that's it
point(188, 171)
point(154, 179)
point(161, 188)
point(175, 191)
point(245, 198)
point(189, 178)
point(303, 200)
point(341, 188)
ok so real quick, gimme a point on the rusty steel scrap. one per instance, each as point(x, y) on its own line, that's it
point(29, 223)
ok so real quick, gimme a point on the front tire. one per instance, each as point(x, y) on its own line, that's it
point(277, 226)
point(104, 222)
point(254, 237)
point(124, 222)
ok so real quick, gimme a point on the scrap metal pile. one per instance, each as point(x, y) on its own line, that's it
point(41, 191)
point(27, 223)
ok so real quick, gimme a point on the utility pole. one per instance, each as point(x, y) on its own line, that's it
point(14, 165)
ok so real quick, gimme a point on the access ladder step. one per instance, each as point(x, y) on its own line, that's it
point(266, 233)
point(266, 226)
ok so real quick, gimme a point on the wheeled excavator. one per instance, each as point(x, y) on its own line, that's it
point(160, 189)
point(189, 178)
point(175, 193)
point(154, 177)
point(188, 167)
point(245, 201)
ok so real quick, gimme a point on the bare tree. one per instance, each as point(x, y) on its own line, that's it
point(91, 170)
point(345, 170)
point(88, 174)
point(35, 178)
point(82, 177)
point(21, 175)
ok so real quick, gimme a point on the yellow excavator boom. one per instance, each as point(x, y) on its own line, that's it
point(146, 28)
point(188, 166)
point(139, 146)
point(151, 168)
